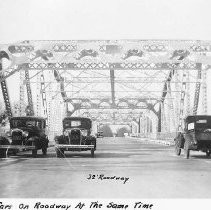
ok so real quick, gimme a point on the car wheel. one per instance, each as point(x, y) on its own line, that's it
point(14, 152)
point(177, 149)
point(59, 153)
point(34, 153)
point(187, 150)
point(44, 150)
point(208, 153)
point(2, 153)
point(92, 153)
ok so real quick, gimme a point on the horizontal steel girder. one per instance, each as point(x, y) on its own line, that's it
point(98, 66)
point(110, 46)
point(99, 100)
point(105, 55)
point(118, 81)
point(129, 107)
point(107, 66)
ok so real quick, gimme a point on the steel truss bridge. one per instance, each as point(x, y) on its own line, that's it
point(149, 84)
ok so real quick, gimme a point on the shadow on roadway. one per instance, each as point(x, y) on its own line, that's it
point(102, 155)
point(200, 157)
point(11, 161)
point(75, 155)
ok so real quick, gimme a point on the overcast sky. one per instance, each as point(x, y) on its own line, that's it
point(104, 19)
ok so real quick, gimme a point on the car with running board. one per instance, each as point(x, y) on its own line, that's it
point(26, 133)
point(76, 136)
point(195, 135)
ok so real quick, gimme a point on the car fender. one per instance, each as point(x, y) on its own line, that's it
point(59, 139)
point(4, 141)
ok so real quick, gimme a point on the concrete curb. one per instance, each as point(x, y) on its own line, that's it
point(157, 141)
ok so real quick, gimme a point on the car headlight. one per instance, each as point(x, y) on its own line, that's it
point(66, 133)
point(25, 133)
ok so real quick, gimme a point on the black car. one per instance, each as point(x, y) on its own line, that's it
point(196, 135)
point(26, 133)
point(76, 136)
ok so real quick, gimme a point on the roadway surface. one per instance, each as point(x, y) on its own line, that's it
point(154, 171)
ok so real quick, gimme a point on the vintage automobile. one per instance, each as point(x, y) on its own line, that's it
point(76, 136)
point(26, 133)
point(196, 135)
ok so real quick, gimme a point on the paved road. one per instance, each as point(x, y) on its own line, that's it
point(132, 169)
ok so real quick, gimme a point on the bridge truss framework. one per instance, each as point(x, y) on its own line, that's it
point(111, 81)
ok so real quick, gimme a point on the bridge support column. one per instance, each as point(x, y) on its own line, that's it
point(159, 119)
point(22, 93)
point(139, 125)
point(112, 79)
point(204, 91)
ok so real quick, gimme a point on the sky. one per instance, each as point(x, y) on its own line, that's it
point(103, 19)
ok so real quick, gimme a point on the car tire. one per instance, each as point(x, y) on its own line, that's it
point(59, 153)
point(186, 150)
point(44, 150)
point(34, 153)
point(2, 153)
point(208, 153)
point(14, 152)
point(92, 153)
point(177, 148)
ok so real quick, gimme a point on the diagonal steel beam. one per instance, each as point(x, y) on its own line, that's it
point(29, 94)
point(4, 87)
point(197, 92)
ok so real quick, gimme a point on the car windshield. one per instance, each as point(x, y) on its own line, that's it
point(203, 124)
point(26, 123)
point(73, 123)
point(77, 123)
point(199, 124)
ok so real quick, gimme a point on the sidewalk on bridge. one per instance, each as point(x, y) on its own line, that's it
point(166, 142)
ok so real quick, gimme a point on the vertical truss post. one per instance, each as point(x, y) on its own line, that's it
point(177, 99)
point(49, 113)
point(147, 122)
point(197, 90)
point(159, 118)
point(43, 93)
point(172, 110)
point(188, 109)
point(163, 118)
point(38, 96)
point(112, 79)
point(204, 90)
point(168, 114)
point(182, 99)
point(22, 94)
point(29, 94)
point(5, 93)
point(139, 125)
